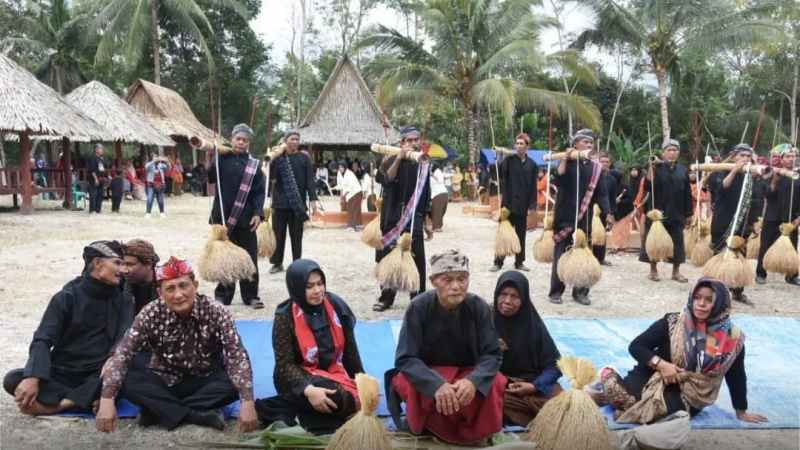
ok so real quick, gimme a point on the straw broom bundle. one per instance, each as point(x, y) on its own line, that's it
point(690, 236)
point(506, 242)
point(571, 420)
point(578, 266)
point(702, 251)
point(544, 246)
point(364, 430)
point(754, 241)
point(372, 235)
point(222, 261)
point(598, 230)
point(659, 245)
point(782, 256)
point(730, 266)
point(397, 269)
point(266, 236)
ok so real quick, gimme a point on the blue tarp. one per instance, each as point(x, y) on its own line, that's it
point(488, 156)
point(771, 386)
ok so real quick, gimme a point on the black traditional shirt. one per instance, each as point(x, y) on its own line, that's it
point(231, 168)
point(778, 201)
point(303, 170)
point(193, 346)
point(673, 192)
point(566, 204)
point(518, 184)
point(398, 192)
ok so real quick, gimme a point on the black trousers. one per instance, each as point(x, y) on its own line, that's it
point(81, 388)
point(171, 404)
point(288, 406)
point(418, 251)
point(599, 251)
point(281, 220)
point(247, 240)
point(557, 287)
point(675, 231)
point(770, 233)
point(96, 193)
point(116, 201)
point(520, 223)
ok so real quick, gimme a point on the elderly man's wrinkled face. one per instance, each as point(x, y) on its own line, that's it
point(241, 143)
point(179, 294)
point(136, 271)
point(451, 288)
point(744, 156)
point(108, 270)
point(670, 153)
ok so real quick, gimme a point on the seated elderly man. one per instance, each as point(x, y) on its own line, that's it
point(197, 362)
point(140, 268)
point(79, 328)
point(447, 360)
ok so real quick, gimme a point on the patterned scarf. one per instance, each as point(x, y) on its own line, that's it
point(411, 207)
point(244, 190)
point(585, 201)
point(289, 185)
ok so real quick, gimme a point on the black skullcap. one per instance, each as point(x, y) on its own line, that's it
point(585, 133)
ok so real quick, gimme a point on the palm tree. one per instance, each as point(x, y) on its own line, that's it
point(478, 48)
point(667, 30)
point(54, 34)
point(133, 24)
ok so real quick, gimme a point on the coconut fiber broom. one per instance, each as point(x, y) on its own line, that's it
point(372, 235)
point(506, 242)
point(754, 240)
point(571, 420)
point(702, 250)
point(658, 245)
point(266, 236)
point(782, 256)
point(598, 229)
point(544, 246)
point(364, 430)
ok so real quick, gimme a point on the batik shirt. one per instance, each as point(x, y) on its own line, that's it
point(192, 346)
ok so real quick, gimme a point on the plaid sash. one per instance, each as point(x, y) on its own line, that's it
point(411, 207)
point(244, 190)
point(585, 201)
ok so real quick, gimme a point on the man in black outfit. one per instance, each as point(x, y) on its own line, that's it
point(673, 197)
point(236, 168)
point(98, 177)
point(291, 183)
point(140, 272)
point(518, 185)
point(588, 174)
point(610, 181)
point(398, 177)
point(78, 331)
point(780, 193)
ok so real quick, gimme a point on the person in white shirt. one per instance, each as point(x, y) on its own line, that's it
point(322, 178)
point(439, 198)
point(352, 195)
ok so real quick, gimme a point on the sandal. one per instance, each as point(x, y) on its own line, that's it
point(380, 307)
point(680, 278)
point(654, 277)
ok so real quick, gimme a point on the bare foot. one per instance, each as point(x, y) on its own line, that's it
point(38, 409)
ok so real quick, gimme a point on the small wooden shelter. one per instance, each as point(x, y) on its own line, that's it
point(168, 112)
point(31, 108)
point(346, 115)
point(123, 122)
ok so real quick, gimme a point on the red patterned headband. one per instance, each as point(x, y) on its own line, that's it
point(174, 268)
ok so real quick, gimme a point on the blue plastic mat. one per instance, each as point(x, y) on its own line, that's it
point(770, 342)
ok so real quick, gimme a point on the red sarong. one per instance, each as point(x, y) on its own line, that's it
point(479, 420)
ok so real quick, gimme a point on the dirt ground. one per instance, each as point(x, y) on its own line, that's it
point(41, 252)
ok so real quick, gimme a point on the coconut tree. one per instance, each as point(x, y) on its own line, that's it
point(130, 25)
point(479, 48)
point(52, 33)
point(666, 30)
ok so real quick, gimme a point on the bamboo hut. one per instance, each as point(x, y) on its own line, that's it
point(168, 112)
point(123, 122)
point(346, 115)
point(31, 108)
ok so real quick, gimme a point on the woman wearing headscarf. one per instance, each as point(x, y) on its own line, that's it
point(316, 356)
point(683, 358)
point(529, 353)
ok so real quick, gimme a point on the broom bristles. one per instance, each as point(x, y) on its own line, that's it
point(266, 236)
point(598, 230)
point(223, 261)
point(506, 242)
point(753, 246)
point(372, 235)
point(571, 420)
point(730, 266)
point(578, 266)
point(544, 247)
point(781, 257)
point(397, 270)
point(690, 237)
point(364, 430)
point(659, 245)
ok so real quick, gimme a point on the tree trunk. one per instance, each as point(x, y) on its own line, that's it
point(661, 76)
point(2, 161)
point(614, 114)
point(793, 103)
point(156, 42)
point(471, 125)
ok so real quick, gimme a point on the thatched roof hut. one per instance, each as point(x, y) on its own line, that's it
point(124, 122)
point(30, 106)
point(167, 111)
point(346, 115)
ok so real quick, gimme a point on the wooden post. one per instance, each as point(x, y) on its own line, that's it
point(26, 183)
point(67, 172)
point(117, 153)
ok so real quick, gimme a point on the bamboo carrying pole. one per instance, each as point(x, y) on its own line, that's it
point(583, 154)
point(755, 169)
point(390, 150)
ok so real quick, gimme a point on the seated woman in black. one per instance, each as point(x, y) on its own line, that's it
point(529, 353)
point(316, 357)
point(682, 361)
